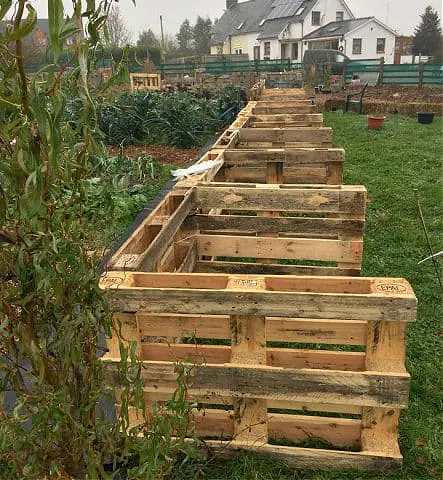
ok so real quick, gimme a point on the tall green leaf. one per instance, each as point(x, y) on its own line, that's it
point(26, 26)
point(5, 5)
point(55, 17)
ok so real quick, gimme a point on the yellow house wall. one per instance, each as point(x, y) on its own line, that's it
point(239, 41)
point(225, 51)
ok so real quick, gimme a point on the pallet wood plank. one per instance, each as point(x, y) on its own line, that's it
point(274, 357)
point(207, 294)
point(292, 330)
point(290, 157)
point(295, 199)
point(280, 248)
point(318, 459)
point(306, 407)
point(321, 136)
point(244, 268)
point(365, 389)
point(301, 225)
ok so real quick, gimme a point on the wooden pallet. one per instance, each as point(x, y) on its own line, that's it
point(213, 227)
point(285, 121)
point(275, 92)
point(318, 166)
point(301, 137)
point(258, 384)
point(272, 108)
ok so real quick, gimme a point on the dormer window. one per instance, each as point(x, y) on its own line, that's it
point(316, 18)
point(240, 26)
point(300, 11)
point(262, 22)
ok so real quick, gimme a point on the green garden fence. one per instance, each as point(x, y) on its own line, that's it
point(421, 75)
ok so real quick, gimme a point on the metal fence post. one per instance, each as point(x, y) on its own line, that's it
point(381, 72)
point(421, 70)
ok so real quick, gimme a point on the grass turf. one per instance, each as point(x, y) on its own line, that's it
point(396, 163)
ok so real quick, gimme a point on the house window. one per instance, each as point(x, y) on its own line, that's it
point(267, 50)
point(381, 45)
point(339, 16)
point(238, 51)
point(294, 52)
point(257, 52)
point(316, 17)
point(356, 46)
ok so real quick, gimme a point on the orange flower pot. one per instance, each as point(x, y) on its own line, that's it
point(375, 123)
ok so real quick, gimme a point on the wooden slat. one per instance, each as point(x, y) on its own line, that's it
point(289, 330)
point(278, 248)
point(285, 109)
point(300, 175)
point(284, 199)
point(288, 156)
point(320, 136)
point(248, 347)
point(243, 268)
point(298, 117)
point(153, 396)
point(318, 459)
point(274, 357)
point(300, 225)
point(307, 297)
point(365, 389)
point(190, 260)
point(146, 246)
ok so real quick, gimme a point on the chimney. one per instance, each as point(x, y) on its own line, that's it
point(231, 3)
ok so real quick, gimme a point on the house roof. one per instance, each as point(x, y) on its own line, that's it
point(338, 29)
point(250, 14)
point(270, 17)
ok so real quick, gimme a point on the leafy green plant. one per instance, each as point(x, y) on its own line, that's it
point(52, 313)
point(231, 99)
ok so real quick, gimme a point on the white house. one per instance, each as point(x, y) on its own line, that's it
point(278, 29)
point(273, 29)
point(360, 38)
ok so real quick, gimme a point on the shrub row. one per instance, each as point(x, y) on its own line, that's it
point(180, 119)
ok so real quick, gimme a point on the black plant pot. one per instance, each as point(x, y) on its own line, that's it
point(426, 117)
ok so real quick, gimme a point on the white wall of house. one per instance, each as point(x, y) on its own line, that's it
point(328, 13)
point(369, 33)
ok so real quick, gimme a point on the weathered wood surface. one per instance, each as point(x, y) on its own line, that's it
point(321, 137)
point(343, 298)
point(365, 389)
point(300, 225)
point(280, 248)
point(292, 330)
point(317, 459)
point(290, 157)
point(283, 198)
point(247, 268)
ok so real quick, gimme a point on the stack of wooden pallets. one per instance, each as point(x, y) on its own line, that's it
point(251, 271)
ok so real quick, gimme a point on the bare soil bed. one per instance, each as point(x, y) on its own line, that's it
point(389, 99)
point(162, 154)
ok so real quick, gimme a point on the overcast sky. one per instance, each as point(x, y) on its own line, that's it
point(401, 15)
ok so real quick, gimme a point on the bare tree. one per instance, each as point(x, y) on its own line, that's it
point(118, 32)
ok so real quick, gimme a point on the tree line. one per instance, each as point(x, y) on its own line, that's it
point(190, 39)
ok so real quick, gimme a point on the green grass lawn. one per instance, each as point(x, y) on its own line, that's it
point(394, 164)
